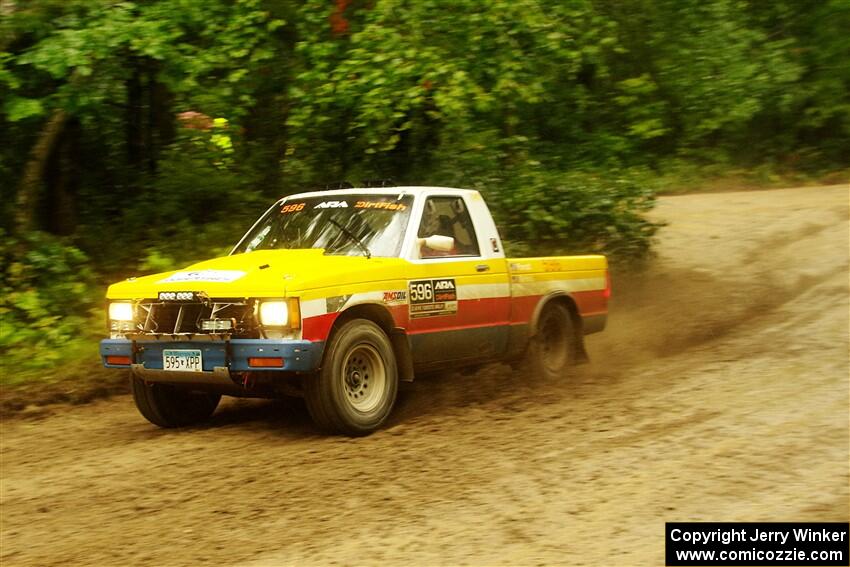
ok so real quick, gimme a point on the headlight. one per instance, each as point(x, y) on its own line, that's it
point(274, 313)
point(121, 311)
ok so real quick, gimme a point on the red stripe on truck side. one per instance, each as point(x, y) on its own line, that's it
point(472, 313)
point(523, 308)
point(593, 302)
point(489, 311)
point(317, 328)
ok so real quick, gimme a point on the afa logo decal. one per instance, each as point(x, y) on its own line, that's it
point(332, 205)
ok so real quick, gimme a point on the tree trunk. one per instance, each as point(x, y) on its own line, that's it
point(33, 175)
point(62, 180)
point(161, 119)
point(133, 119)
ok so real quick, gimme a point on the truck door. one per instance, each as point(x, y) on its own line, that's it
point(459, 296)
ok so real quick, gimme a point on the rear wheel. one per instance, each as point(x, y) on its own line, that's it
point(168, 406)
point(553, 349)
point(357, 386)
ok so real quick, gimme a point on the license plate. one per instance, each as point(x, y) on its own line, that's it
point(182, 360)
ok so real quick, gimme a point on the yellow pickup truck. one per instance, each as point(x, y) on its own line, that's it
point(339, 295)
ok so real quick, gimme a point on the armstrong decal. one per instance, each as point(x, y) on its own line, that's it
point(429, 298)
point(394, 297)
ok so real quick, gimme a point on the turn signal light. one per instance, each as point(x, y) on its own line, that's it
point(118, 360)
point(265, 362)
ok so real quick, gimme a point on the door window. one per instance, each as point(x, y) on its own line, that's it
point(448, 216)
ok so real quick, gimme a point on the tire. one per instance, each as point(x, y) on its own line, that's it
point(553, 348)
point(356, 388)
point(168, 406)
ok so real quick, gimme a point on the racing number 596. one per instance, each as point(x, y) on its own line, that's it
point(421, 292)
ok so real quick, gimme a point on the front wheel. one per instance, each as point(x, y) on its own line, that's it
point(553, 348)
point(168, 406)
point(356, 388)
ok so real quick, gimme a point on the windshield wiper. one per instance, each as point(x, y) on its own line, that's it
point(352, 236)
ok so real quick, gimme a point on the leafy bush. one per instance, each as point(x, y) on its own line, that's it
point(47, 296)
point(541, 213)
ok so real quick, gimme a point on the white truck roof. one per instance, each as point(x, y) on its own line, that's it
point(405, 190)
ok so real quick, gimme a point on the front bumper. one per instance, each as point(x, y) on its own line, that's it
point(216, 356)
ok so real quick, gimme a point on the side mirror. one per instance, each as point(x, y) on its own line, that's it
point(438, 242)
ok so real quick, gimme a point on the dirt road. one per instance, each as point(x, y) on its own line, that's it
point(719, 392)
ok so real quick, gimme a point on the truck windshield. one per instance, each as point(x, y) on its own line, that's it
point(350, 225)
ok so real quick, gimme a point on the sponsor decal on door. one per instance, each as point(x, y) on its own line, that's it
point(395, 297)
point(429, 298)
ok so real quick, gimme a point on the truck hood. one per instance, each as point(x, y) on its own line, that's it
point(262, 273)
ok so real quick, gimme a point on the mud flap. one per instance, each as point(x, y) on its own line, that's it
point(403, 356)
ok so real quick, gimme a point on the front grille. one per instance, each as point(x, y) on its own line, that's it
point(177, 318)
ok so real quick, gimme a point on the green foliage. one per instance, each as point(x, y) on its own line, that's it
point(19, 108)
point(46, 295)
point(716, 70)
point(411, 77)
point(204, 50)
